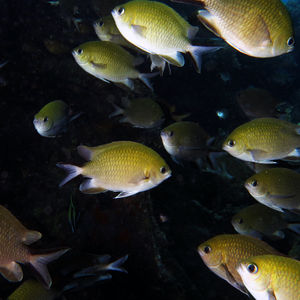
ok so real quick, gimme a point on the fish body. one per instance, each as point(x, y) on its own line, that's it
point(32, 290)
point(258, 28)
point(257, 103)
point(263, 140)
point(158, 29)
point(123, 166)
point(14, 238)
point(222, 254)
point(107, 30)
point(185, 140)
point(109, 62)
point(259, 220)
point(141, 113)
point(53, 118)
point(271, 277)
point(278, 188)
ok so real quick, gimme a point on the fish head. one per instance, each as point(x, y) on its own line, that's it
point(159, 172)
point(82, 55)
point(211, 255)
point(42, 124)
point(256, 186)
point(254, 277)
point(168, 139)
point(124, 15)
point(283, 43)
point(240, 224)
point(99, 27)
point(105, 28)
point(234, 145)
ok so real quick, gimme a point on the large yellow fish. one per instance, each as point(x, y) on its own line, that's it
point(263, 140)
point(124, 166)
point(223, 253)
point(109, 62)
point(158, 29)
point(271, 277)
point(278, 188)
point(259, 28)
point(259, 220)
point(14, 238)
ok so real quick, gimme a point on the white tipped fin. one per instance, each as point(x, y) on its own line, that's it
point(197, 52)
point(129, 83)
point(12, 272)
point(72, 171)
point(126, 194)
point(145, 77)
point(175, 59)
point(31, 236)
point(295, 153)
point(91, 186)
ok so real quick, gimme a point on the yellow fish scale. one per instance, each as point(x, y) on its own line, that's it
point(122, 164)
point(284, 274)
point(233, 248)
point(249, 25)
point(270, 135)
point(117, 63)
point(11, 234)
point(161, 25)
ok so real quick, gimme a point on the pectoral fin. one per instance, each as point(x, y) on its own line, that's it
point(281, 196)
point(12, 272)
point(260, 156)
point(140, 30)
point(271, 295)
point(138, 179)
point(208, 20)
point(99, 66)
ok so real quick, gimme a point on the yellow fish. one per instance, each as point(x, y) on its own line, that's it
point(259, 220)
point(110, 63)
point(263, 140)
point(14, 238)
point(258, 28)
point(278, 188)
point(223, 253)
point(32, 290)
point(158, 29)
point(271, 277)
point(107, 30)
point(124, 166)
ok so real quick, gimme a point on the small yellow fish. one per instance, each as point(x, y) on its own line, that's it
point(185, 140)
point(223, 253)
point(263, 140)
point(271, 277)
point(32, 290)
point(107, 30)
point(158, 29)
point(259, 28)
point(278, 188)
point(53, 118)
point(259, 220)
point(124, 166)
point(14, 238)
point(140, 112)
point(110, 63)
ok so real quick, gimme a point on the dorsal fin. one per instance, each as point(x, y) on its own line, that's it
point(31, 237)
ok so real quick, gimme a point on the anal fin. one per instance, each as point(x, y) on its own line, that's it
point(90, 186)
point(12, 272)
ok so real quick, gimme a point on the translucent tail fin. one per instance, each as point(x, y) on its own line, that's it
point(145, 77)
point(39, 263)
point(72, 171)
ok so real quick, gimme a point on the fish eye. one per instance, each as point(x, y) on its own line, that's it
point(231, 143)
point(79, 51)
point(207, 249)
point(45, 119)
point(290, 42)
point(163, 170)
point(101, 23)
point(240, 221)
point(170, 133)
point(254, 183)
point(252, 268)
point(121, 11)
